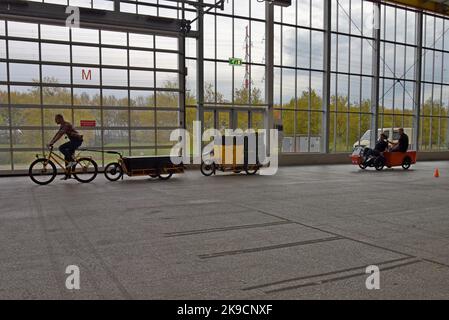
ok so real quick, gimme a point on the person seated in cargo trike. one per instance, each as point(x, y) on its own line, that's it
point(402, 144)
point(67, 149)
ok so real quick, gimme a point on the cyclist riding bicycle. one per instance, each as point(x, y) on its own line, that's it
point(67, 149)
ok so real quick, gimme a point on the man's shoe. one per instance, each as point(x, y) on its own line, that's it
point(66, 177)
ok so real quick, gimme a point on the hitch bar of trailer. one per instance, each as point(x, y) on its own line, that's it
point(100, 151)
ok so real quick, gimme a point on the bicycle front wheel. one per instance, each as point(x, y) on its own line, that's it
point(85, 170)
point(42, 171)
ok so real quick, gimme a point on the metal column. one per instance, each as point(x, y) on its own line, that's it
point(375, 87)
point(325, 127)
point(200, 65)
point(269, 68)
point(182, 81)
point(418, 76)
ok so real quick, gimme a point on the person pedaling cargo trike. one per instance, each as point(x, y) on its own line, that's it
point(67, 149)
point(380, 147)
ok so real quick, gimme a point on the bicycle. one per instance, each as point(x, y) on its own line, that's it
point(43, 170)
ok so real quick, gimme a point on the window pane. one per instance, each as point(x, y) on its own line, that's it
point(24, 50)
point(3, 72)
point(116, 138)
point(86, 97)
point(167, 99)
point(55, 52)
point(25, 95)
point(142, 138)
point(166, 80)
point(55, 74)
point(24, 72)
point(3, 94)
point(166, 43)
point(2, 49)
point(26, 117)
point(22, 160)
point(5, 157)
point(56, 96)
point(115, 57)
point(22, 30)
point(113, 38)
point(115, 98)
point(144, 118)
point(166, 60)
point(115, 77)
point(2, 27)
point(86, 55)
point(50, 32)
point(141, 79)
point(167, 119)
point(115, 118)
point(142, 99)
point(84, 35)
point(141, 40)
point(23, 138)
point(140, 58)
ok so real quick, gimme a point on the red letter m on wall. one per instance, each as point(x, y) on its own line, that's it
point(86, 76)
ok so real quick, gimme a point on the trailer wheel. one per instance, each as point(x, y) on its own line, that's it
point(113, 172)
point(251, 172)
point(207, 169)
point(406, 163)
point(165, 176)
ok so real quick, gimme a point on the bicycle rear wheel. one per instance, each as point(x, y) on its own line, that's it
point(42, 171)
point(85, 170)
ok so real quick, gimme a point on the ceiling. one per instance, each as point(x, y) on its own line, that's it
point(437, 6)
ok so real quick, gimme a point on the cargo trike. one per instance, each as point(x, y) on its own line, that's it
point(385, 159)
point(233, 154)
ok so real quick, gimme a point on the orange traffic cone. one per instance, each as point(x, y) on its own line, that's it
point(437, 173)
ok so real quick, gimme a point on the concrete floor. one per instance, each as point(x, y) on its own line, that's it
point(306, 233)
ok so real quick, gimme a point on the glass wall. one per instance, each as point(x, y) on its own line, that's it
point(352, 47)
point(129, 83)
point(397, 69)
point(434, 133)
point(126, 83)
point(298, 74)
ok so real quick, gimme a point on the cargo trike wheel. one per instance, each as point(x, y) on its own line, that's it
point(207, 169)
point(379, 164)
point(165, 176)
point(406, 163)
point(113, 171)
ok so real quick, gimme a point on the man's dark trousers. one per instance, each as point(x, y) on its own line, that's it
point(68, 149)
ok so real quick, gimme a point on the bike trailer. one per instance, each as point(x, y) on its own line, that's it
point(150, 165)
